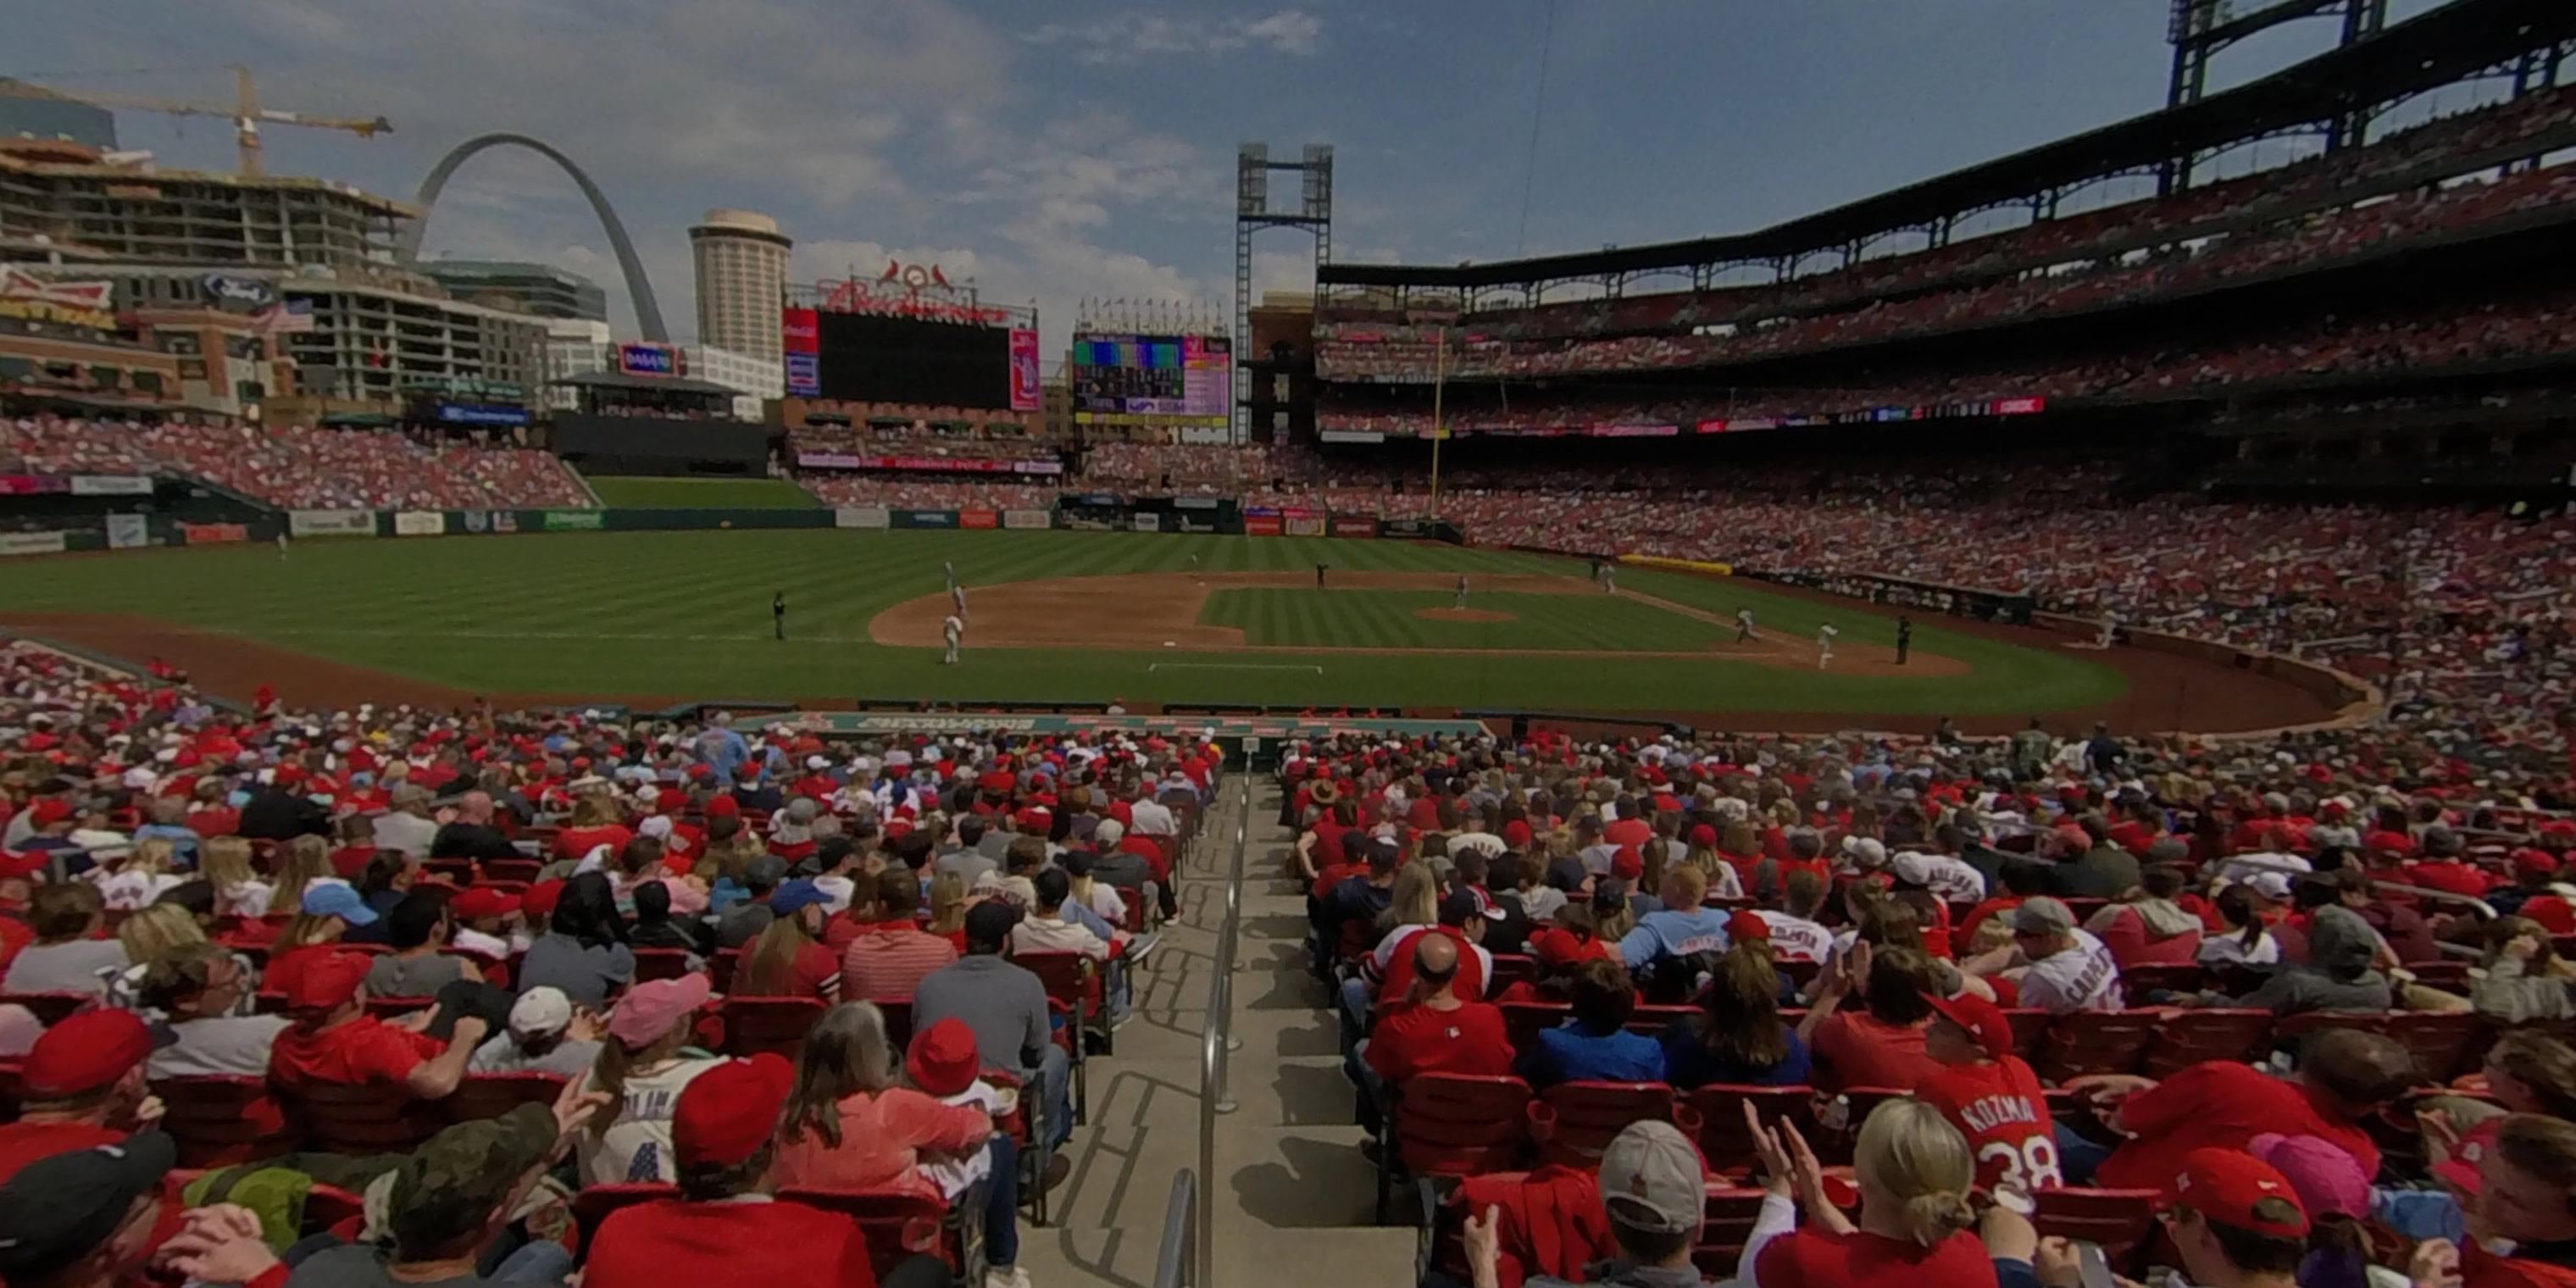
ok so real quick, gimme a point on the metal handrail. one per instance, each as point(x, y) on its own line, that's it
point(1174, 1265)
point(1213, 1039)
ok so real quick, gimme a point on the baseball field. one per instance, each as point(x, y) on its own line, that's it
point(663, 617)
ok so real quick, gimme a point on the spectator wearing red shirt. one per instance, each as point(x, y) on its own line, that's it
point(2150, 929)
point(2442, 869)
point(1989, 1095)
point(1881, 1044)
point(1430, 1030)
point(84, 1087)
point(2344, 1080)
point(1653, 1189)
point(790, 959)
point(2535, 872)
point(335, 1042)
point(886, 959)
point(724, 1230)
point(1915, 1225)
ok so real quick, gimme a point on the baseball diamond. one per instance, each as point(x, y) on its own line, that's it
point(659, 617)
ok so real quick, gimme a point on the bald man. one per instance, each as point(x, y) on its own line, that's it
point(470, 835)
point(1432, 1030)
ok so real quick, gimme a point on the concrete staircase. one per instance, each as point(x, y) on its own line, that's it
point(1288, 1164)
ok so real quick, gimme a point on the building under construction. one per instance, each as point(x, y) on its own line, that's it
point(142, 214)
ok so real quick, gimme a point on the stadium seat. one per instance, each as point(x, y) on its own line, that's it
point(1572, 1122)
point(377, 1118)
point(1523, 1020)
point(1072, 980)
point(219, 1121)
point(901, 1226)
point(720, 969)
point(2119, 1221)
point(898, 1021)
point(2191, 1036)
point(522, 870)
point(776, 1024)
point(491, 1095)
point(1732, 1210)
point(660, 963)
point(1723, 1140)
point(1452, 1125)
point(1510, 969)
point(2136, 982)
point(2095, 1042)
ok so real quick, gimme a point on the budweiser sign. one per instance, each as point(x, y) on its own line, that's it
point(910, 291)
point(80, 304)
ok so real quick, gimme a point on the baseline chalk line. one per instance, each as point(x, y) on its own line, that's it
point(1151, 667)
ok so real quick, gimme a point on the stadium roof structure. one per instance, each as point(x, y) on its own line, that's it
point(2432, 49)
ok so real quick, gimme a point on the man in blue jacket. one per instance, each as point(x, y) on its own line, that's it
point(1682, 928)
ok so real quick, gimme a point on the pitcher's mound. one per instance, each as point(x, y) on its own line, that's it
point(1461, 615)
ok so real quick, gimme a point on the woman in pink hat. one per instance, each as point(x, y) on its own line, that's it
point(643, 1066)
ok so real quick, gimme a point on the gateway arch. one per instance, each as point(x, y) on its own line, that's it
point(639, 288)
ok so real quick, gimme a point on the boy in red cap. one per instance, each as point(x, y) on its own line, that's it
point(725, 1231)
point(2235, 1219)
point(84, 1087)
point(1989, 1094)
point(943, 1063)
point(335, 1042)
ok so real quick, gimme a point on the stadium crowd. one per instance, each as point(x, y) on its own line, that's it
point(2316, 240)
point(504, 973)
point(1204, 468)
point(297, 466)
point(1782, 1011)
point(2421, 154)
point(926, 491)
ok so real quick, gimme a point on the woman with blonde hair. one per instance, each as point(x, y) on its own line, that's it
point(949, 900)
point(1913, 1171)
point(158, 934)
point(302, 865)
point(225, 863)
point(1415, 901)
point(141, 877)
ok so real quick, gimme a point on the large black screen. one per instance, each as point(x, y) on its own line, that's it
point(866, 358)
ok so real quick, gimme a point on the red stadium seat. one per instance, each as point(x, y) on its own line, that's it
point(1723, 1140)
point(491, 1095)
point(2136, 982)
point(776, 1024)
point(2095, 1042)
point(2117, 1220)
point(1572, 1122)
point(379, 1118)
point(2189, 1037)
point(1451, 1125)
point(660, 963)
point(901, 1226)
point(1731, 1214)
point(1510, 969)
point(2440, 1041)
point(219, 1121)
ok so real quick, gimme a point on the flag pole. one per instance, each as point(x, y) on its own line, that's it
point(1439, 431)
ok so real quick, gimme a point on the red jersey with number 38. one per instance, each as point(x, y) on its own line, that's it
point(2000, 1109)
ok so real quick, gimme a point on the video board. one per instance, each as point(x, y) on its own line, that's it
point(1153, 379)
point(864, 357)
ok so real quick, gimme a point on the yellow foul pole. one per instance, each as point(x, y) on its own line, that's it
point(1439, 428)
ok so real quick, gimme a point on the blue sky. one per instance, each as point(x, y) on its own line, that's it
point(1054, 152)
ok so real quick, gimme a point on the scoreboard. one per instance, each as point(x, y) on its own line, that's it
point(1153, 379)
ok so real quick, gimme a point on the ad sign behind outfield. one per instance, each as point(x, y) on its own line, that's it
point(574, 520)
point(31, 543)
point(331, 523)
point(211, 534)
point(862, 516)
point(1027, 519)
point(419, 523)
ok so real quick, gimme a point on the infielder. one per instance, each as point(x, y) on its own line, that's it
point(2110, 627)
point(1607, 573)
point(281, 545)
point(957, 599)
point(1825, 646)
point(949, 571)
point(1743, 625)
point(1462, 592)
point(952, 629)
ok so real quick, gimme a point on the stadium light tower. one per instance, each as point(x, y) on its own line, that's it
point(1252, 213)
point(2200, 29)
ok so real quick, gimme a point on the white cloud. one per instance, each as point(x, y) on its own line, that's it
point(1134, 37)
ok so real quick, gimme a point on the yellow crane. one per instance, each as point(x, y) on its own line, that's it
point(245, 113)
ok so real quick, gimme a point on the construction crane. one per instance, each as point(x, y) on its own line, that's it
point(245, 113)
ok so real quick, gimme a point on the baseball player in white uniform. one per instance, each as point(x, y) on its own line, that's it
point(949, 571)
point(1825, 646)
point(957, 599)
point(2110, 628)
point(1609, 578)
point(281, 545)
point(1743, 625)
point(952, 629)
point(1461, 601)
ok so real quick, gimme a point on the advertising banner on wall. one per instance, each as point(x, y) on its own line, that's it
point(1349, 526)
point(979, 518)
point(1260, 525)
point(1027, 519)
point(862, 516)
point(644, 358)
point(331, 523)
point(210, 534)
point(574, 520)
point(800, 338)
point(127, 532)
point(31, 543)
point(111, 485)
point(419, 523)
point(930, 518)
point(1304, 525)
point(1146, 522)
point(1024, 369)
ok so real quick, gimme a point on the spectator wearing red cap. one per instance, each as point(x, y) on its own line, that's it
point(2235, 1219)
point(2345, 1078)
point(487, 924)
point(943, 1063)
point(84, 1084)
point(724, 1230)
point(1738, 1037)
point(1989, 1094)
point(66, 957)
point(2534, 893)
point(334, 1042)
point(849, 1124)
point(1430, 1029)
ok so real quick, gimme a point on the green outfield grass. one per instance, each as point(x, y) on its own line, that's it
point(687, 614)
point(1305, 618)
point(702, 494)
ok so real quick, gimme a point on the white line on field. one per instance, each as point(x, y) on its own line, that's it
point(1151, 667)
